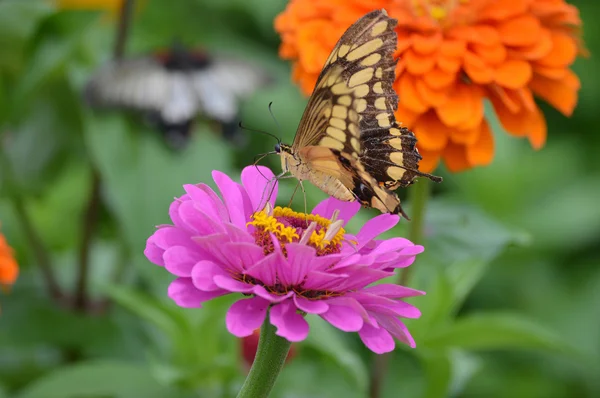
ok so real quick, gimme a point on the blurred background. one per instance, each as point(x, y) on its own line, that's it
point(510, 269)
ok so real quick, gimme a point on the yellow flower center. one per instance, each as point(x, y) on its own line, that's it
point(289, 226)
point(444, 12)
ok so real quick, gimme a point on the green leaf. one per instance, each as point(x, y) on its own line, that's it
point(53, 53)
point(18, 20)
point(141, 175)
point(98, 379)
point(326, 340)
point(488, 331)
point(437, 368)
point(167, 317)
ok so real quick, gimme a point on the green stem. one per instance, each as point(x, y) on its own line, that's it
point(34, 240)
point(270, 356)
point(418, 194)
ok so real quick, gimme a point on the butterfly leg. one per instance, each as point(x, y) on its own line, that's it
point(293, 194)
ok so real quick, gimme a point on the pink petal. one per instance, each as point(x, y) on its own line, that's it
point(344, 318)
point(180, 260)
point(375, 227)
point(239, 257)
point(153, 252)
point(396, 328)
point(185, 294)
point(382, 305)
point(377, 340)
point(233, 198)
point(272, 297)
point(222, 210)
point(317, 280)
point(300, 259)
point(203, 201)
point(259, 181)
point(230, 284)
point(245, 316)
point(290, 325)
point(328, 206)
point(167, 236)
point(390, 290)
point(203, 275)
point(361, 277)
point(266, 269)
point(310, 306)
point(237, 234)
point(198, 221)
point(174, 212)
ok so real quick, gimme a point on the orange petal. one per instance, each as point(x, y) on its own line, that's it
point(447, 64)
point(537, 50)
point(524, 30)
point(491, 55)
point(430, 160)
point(406, 117)
point(437, 78)
point(523, 123)
point(430, 96)
point(407, 92)
point(549, 72)
point(455, 157)
point(313, 54)
point(431, 132)
point(461, 104)
point(477, 70)
point(482, 34)
point(405, 41)
point(417, 64)
point(538, 129)
point(481, 152)
point(513, 74)
point(561, 94)
point(465, 136)
point(453, 48)
point(426, 44)
point(563, 53)
point(499, 10)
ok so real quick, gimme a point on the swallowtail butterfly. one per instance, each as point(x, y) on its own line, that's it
point(173, 86)
point(348, 142)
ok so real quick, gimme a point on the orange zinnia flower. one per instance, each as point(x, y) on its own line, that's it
point(453, 54)
point(9, 270)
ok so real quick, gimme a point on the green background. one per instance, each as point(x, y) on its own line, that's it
point(512, 250)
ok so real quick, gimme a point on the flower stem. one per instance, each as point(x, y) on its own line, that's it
point(418, 198)
point(90, 217)
point(270, 356)
point(34, 239)
point(418, 194)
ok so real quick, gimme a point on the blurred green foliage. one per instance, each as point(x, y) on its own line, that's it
point(510, 268)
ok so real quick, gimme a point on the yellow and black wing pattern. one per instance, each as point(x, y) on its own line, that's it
point(351, 113)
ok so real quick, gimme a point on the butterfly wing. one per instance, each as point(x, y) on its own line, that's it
point(352, 99)
point(138, 83)
point(221, 85)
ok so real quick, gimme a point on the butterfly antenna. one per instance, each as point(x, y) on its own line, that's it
point(259, 131)
point(274, 119)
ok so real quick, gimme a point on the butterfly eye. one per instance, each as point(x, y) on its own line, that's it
point(277, 147)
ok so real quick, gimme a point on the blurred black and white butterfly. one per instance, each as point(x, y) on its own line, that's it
point(172, 87)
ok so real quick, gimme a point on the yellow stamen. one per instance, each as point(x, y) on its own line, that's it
point(323, 234)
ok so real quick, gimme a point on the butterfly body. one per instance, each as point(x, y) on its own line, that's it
point(305, 170)
point(348, 142)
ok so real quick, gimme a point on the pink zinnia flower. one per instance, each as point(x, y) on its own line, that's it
point(293, 263)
